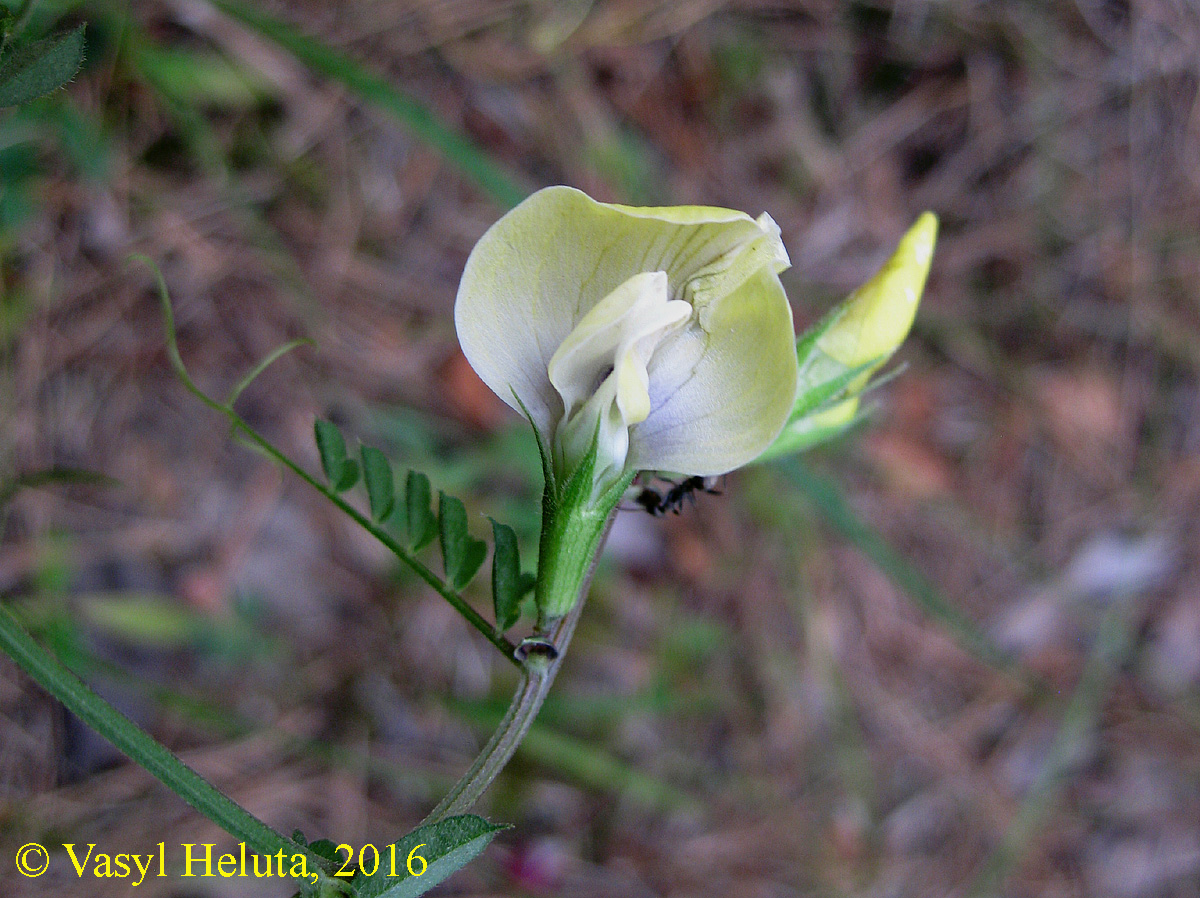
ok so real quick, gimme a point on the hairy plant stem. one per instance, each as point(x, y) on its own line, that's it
point(541, 656)
point(144, 749)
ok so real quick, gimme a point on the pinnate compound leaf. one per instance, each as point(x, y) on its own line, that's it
point(462, 554)
point(507, 583)
point(381, 489)
point(422, 527)
point(38, 68)
point(445, 847)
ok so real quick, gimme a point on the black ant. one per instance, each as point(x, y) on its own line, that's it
point(656, 503)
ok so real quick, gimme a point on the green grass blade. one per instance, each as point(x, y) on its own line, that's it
point(1113, 644)
point(200, 137)
point(135, 742)
point(838, 514)
point(332, 63)
point(49, 476)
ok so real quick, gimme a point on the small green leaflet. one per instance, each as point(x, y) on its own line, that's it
point(507, 583)
point(377, 474)
point(331, 447)
point(325, 848)
point(36, 69)
point(341, 471)
point(446, 846)
point(462, 553)
point(422, 527)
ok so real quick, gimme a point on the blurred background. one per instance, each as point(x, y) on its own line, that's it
point(957, 652)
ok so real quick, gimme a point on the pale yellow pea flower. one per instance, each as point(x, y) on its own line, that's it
point(661, 336)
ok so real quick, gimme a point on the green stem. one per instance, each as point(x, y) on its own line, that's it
point(143, 748)
point(543, 656)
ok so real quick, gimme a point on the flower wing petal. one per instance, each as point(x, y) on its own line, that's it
point(721, 397)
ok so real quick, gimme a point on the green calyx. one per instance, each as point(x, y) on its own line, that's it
point(575, 520)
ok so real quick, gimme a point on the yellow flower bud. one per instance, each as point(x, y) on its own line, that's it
point(877, 316)
point(839, 356)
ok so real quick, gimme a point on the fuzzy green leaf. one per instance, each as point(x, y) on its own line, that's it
point(41, 67)
point(444, 847)
point(507, 582)
point(462, 554)
point(381, 489)
point(422, 527)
